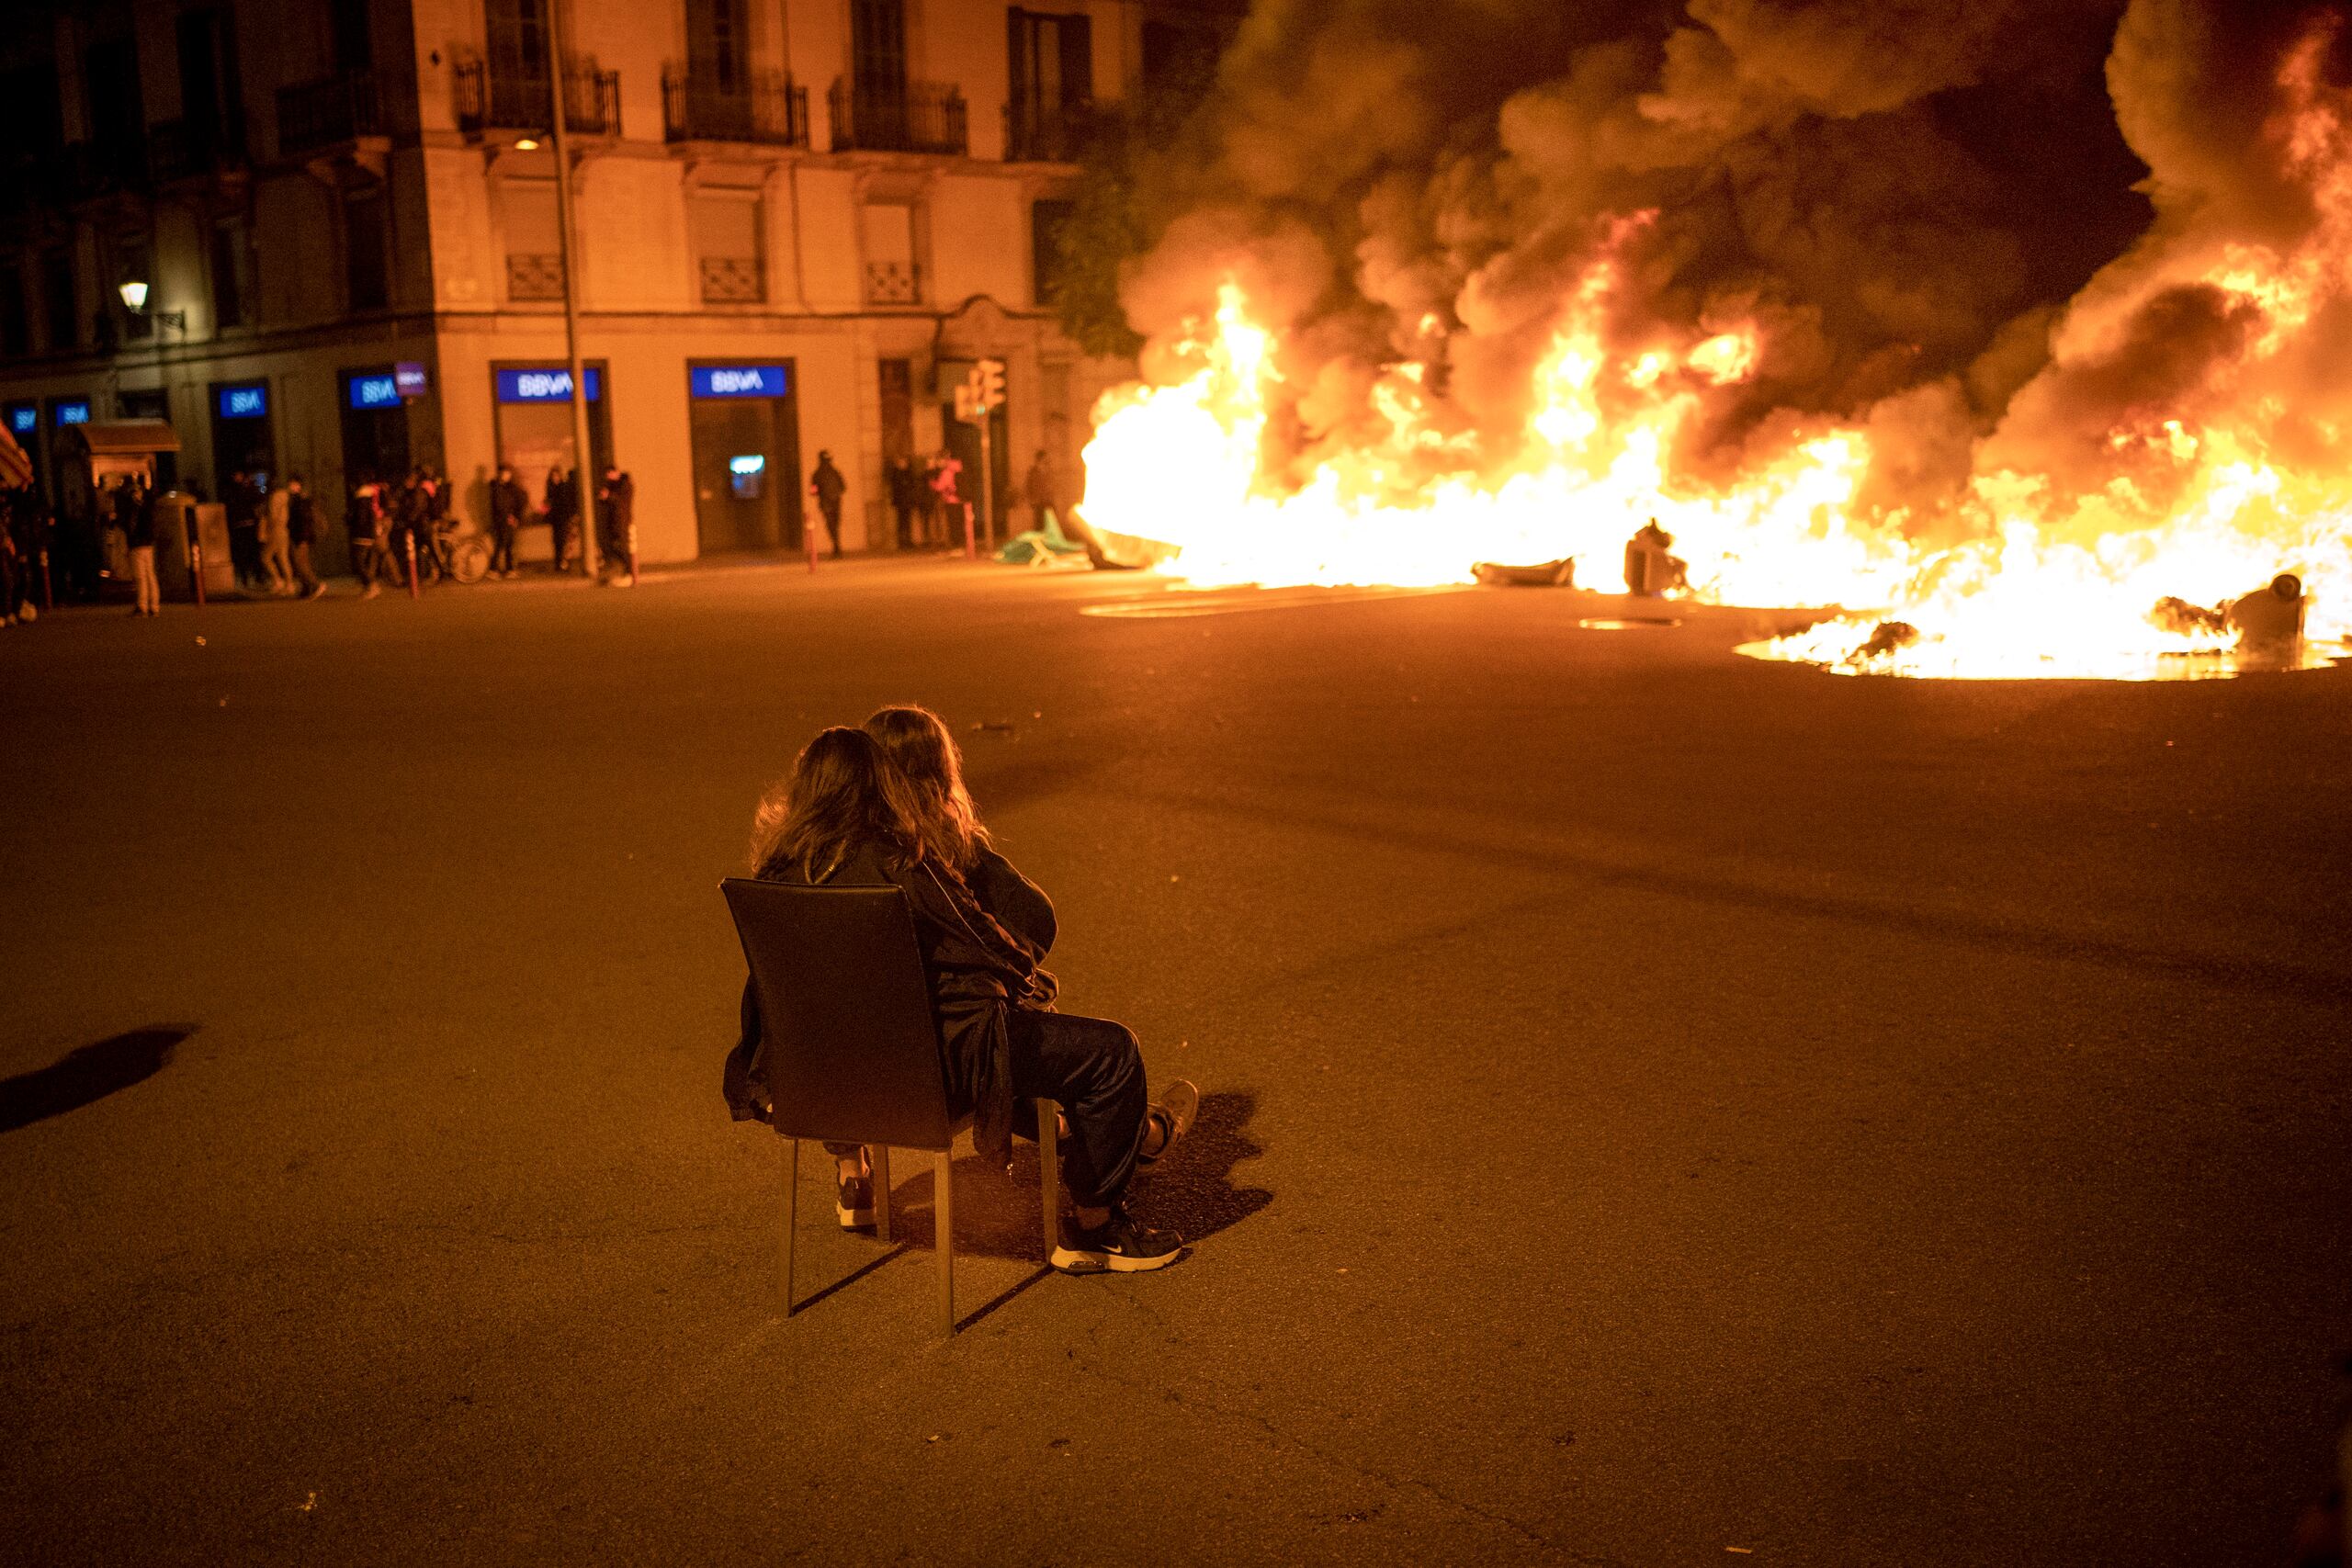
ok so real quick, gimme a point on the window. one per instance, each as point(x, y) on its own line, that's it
point(117, 117)
point(1047, 221)
point(355, 47)
point(724, 228)
point(231, 265)
point(518, 38)
point(1053, 85)
point(878, 32)
point(61, 310)
point(534, 239)
point(717, 56)
point(211, 98)
point(16, 321)
point(892, 276)
point(365, 269)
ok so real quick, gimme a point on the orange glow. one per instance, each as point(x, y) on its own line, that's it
point(2029, 573)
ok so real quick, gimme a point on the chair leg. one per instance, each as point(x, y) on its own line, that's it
point(1049, 1171)
point(881, 1159)
point(791, 1214)
point(945, 1211)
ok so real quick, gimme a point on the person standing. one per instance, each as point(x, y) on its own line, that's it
point(1037, 489)
point(140, 529)
point(904, 497)
point(275, 515)
point(364, 521)
point(507, 504)
point(562, 507)
point(243, 499)
point(302, 531)
point(827, 486)
point(617, 514)
point(943, 482)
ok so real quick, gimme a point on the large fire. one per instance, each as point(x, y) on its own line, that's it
point(2026, 573)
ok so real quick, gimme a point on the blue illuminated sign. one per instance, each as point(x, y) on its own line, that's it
point(373, 391)
point(23, 418)
point(408, 377)
point(548, 385)
point(74, 412)
point(738, 380)
point(249, 402)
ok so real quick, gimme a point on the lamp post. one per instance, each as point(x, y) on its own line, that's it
point(583, 490)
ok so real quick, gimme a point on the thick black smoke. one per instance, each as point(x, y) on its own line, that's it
point(1907, 193)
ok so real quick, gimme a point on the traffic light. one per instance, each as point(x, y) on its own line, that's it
point(991, 376)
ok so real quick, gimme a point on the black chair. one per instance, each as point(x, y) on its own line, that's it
point(853, 1050)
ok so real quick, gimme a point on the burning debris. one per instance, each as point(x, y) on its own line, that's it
point(1803, 284)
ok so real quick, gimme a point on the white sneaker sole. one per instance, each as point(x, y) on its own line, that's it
point(853, 1219)
point(1072, 1260)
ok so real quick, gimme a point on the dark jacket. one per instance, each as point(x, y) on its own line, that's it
point(620, 496)
point(507, 502)
point(302, 519)
point(140, 527)
point(1018, 905)
point(829, 485)
point(980, 973)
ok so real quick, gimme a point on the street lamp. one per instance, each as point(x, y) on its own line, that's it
point(134, 299)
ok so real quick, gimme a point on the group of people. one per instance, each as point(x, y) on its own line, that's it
point(929, 505)
point(387, 520)
point(885, 805)
point(27, 574)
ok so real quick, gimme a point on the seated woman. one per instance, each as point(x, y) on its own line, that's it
point(923, 756)
point(844, 820)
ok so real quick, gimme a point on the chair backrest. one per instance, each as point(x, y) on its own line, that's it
point(853, 1048)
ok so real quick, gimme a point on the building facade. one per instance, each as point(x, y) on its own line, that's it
point(799, 221)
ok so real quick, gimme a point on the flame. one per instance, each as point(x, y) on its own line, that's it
point(2032, 574)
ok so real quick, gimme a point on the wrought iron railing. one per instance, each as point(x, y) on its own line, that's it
point(893, 283)
point(491, 100)
point(534, 276)
point(732, 280)
point(915, 116)
point(328, 112)
point(179, 149)
point(768, 107)
point(1046, 133)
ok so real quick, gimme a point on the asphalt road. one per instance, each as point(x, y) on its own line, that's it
point(1662, 1107)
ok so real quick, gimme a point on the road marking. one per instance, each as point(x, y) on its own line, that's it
point(1184, 602)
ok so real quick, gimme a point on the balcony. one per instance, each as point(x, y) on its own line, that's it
point(489, 101)
point(893, 283)
point(181, 150)
point(89, 170)
point(1038, 133)
point(915, 117)
point(768, 109)
point(330, 112)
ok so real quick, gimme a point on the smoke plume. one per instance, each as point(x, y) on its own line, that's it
point(1982, 230)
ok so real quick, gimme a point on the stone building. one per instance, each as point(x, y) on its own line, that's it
point(798, 220)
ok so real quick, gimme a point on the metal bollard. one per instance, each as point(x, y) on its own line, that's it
point(48, 601)
point(971, 549)
point(808, 537)
point(410, 536)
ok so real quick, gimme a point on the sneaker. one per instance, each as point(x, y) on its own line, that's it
point(853, 1204)
point(318, 590)
point(1121, 1247)
point(373, 589)
point(1177, 1107)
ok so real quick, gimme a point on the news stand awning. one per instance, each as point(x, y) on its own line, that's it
point(16, 468)
point(123, 438)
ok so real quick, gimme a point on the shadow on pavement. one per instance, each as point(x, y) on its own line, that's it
point(88, 1073)
point(1191, 1192)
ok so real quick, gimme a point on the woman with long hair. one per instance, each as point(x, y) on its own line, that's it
point(841, 819)
point(927, 775)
